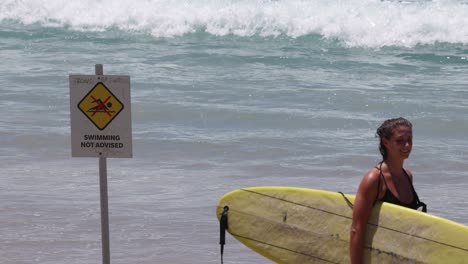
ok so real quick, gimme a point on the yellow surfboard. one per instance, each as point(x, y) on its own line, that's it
point(298, 225)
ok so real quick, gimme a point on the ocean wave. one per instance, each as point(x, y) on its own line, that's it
point(355, 23)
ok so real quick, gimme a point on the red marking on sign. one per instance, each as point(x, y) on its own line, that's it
point(101, 106)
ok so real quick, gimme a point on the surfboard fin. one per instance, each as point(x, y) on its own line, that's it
point(223, 226)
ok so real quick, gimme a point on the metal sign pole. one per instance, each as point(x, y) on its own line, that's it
point(95, 102)
point(104, 200)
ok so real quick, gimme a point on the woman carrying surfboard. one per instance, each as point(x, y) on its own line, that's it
point(388, 181)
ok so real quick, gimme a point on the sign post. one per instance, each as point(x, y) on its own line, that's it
point(101, 127)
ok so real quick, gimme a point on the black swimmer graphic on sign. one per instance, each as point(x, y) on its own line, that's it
point(100, 106)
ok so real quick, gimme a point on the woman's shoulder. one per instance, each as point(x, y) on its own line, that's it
point(371, 178)
point(374, 172)
point(368, 188)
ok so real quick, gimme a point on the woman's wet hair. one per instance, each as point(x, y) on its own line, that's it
point(386, 131)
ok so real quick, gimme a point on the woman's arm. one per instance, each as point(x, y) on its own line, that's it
point(365, 197)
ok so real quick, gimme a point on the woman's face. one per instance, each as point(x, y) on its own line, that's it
point(400, 143)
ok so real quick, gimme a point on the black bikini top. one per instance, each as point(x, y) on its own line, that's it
point(390, 198)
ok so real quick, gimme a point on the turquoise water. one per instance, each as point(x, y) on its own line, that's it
point(225, 94)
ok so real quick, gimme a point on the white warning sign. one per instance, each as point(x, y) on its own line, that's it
point(100, 116)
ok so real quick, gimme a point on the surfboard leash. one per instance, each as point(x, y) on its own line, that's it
point(223, 226)
point(350, 204)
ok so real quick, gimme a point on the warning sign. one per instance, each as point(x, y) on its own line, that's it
point(100, 116)
point(100, 106)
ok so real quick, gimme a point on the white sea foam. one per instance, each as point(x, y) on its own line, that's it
point(368, 23)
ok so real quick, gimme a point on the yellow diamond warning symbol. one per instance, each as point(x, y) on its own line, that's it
point(100, 106)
